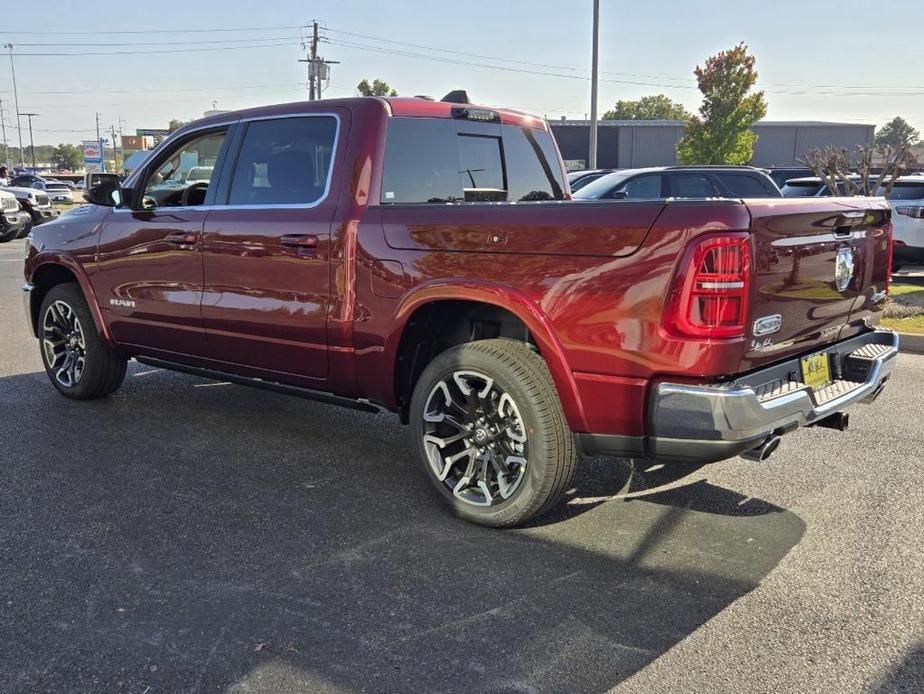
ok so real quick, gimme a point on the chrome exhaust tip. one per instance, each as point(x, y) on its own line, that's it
point(760, 453)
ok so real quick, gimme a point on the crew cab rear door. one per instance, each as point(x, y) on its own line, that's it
point(819, 264)
point(266, 246)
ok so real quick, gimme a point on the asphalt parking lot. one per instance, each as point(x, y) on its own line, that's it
point(184, 535)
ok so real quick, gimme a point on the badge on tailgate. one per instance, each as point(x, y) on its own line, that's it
point(816, 370)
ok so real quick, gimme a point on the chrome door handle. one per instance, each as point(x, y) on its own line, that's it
point(182, 238)
point(305, 244)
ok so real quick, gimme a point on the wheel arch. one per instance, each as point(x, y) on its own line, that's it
point(61, 269)
point(467, 296)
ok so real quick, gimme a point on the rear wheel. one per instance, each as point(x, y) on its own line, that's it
point(77, 360)
point(490, 432)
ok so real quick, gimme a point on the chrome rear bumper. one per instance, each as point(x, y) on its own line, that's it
point(700, 424)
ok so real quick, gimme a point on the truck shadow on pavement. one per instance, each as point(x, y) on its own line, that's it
point(186, 535)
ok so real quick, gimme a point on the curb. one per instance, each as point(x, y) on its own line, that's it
point(910, 344)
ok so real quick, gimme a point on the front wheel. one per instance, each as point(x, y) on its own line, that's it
point(77, 360)
point(491, 434)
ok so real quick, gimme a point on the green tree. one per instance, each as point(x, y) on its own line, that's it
point(377, 88)
point(175, 124)
point(898, 133)
point(652, 107)
point(722, 133)
point(67, 157)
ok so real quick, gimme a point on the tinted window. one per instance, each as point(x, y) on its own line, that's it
point(583, 181)
point(429, 160)
point(284, 162)
point(533, 171)
point(905, 191)
point(481, 169)
point(800, 190)
point(691, 186)
point(642, 187)
point(744, 186)
point(421, 161)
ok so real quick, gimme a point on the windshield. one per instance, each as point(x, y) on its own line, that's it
point(801, 189)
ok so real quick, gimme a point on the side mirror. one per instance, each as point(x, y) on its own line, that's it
point(619, 195)
point(100, 189)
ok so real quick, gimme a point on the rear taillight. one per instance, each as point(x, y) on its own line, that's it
point(912, 211)
point(710, 294)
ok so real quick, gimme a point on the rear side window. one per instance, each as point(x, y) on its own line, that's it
point(691, 186)
point(284, 161)
point(428, 160)
point(744, 186)
point(906, 191)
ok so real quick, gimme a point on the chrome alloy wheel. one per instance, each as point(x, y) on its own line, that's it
point(475, 438)
point(63, 343)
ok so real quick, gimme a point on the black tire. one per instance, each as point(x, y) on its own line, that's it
point(8, 235)
point(548, 450)
point(102, 369)
point(27, 227)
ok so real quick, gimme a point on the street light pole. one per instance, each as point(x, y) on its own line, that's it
point(31, 141)
point(22, 154)
point(592, 164)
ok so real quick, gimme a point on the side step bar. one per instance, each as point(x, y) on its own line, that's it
point(297, 391)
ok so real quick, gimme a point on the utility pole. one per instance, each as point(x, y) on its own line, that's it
point(592, 164)
point(318, 68)
point(115, 150)
point(313, 69)
point(22, 154)
point(6, 146)
point(31, 141)
point(99, 143)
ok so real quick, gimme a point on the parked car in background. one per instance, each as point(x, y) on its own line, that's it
point(907, 201)
point(14, 222)
point(36, 202)
point(812, 187)
point(346, 253)
point(662, 182)
point(57, 191)
point(781, 174)
point(579, 179)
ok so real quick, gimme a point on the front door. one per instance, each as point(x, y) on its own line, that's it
point(149, 276)
point(266, 249)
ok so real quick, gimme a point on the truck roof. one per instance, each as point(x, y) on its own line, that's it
point(406, 107)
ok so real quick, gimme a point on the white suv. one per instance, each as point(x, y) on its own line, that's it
point(907, 201)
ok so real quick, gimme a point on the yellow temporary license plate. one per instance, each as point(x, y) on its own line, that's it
point(816, 370)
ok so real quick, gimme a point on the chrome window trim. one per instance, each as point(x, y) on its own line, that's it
point(286, 206)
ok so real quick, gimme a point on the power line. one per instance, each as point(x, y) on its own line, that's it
point(177, 50)
point(148, 31)
point(161, 43)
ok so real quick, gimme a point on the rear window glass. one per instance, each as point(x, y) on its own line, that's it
point(800, 190)
point(427, 160)
point(905, 191)
point(745, 186)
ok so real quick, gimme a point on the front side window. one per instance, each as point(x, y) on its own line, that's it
point(646, 187)
point(284, 161)
point(170, 184)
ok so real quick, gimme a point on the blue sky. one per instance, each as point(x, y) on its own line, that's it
point(817, 59)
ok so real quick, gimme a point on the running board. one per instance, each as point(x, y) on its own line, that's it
point(297, 391)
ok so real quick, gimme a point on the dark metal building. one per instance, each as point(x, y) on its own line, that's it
point(625, 144)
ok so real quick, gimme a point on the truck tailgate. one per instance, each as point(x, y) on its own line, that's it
point(820, 265)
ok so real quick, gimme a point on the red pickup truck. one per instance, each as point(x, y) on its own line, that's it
point(424, 257)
